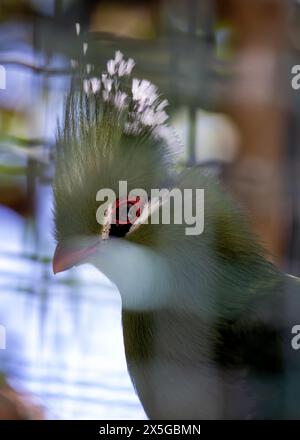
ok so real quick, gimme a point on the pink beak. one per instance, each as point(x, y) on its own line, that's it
point(65, 257)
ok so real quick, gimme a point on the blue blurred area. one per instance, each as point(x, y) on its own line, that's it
point(63, 334)
point(64, 339)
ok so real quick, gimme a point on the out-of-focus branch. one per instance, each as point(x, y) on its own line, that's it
point(35, 68)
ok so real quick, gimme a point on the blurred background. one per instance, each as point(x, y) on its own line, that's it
point(225, 67)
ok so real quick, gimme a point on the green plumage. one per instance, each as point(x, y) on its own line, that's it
point(206, 319)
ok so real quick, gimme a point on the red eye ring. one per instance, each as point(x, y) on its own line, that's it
point(129, 202)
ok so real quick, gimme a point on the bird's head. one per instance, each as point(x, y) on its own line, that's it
point(114, 130)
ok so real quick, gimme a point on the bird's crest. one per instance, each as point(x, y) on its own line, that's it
point(145, 109)
point(115, 128)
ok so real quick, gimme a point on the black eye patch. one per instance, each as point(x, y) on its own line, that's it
point(121, 221)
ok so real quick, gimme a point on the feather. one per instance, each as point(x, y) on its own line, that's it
point(205, 322)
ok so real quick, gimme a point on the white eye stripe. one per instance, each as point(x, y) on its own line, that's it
point(107, 222)
point(149, 208)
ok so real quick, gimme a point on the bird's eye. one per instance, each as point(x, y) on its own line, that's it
point(123, 216)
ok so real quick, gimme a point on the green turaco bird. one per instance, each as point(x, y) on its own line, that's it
point(207, 320)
